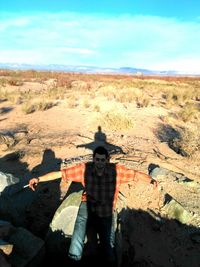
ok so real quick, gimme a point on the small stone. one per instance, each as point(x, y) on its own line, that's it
point(6, 247)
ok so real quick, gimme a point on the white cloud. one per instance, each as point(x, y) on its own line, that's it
point(69, 38)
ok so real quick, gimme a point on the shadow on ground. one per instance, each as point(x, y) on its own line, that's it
point(141, 241)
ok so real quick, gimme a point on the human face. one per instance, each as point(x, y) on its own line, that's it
point(100, 162)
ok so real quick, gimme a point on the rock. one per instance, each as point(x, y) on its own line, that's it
point(176, 211)
point(3, 147)
point(9, 212)
point(28, 249)
point(162, 174)
point(69, 207)
point(158, 173)
point(3, 260)
point(6, 247)
point(189, 182)
point(6, 228)
point(62, 225)
point(7, 179)
point(7, 139)
point(14, 199)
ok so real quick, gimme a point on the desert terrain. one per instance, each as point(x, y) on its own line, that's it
point(46, 117)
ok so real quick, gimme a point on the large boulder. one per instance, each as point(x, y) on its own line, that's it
point(173, 208)
point(28, 250)
point(14, 199)
point(62, 225)
point(7, 179)
point(176, 211)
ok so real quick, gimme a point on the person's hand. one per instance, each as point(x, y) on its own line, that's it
point(33, 183)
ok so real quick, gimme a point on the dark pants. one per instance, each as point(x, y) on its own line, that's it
point(104, 226)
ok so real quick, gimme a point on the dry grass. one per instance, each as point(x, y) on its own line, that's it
point(188, 142)
point(179, 94)
point(40, 105)
point(189, 112)
point(97, 108)
point(113, 120)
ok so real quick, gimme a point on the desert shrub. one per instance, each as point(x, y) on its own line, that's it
point(15, 82)
point(55, 92)
point(188, 143)
point(116, 121)
point(72, 101)
point(142, 101)
point(180, 95)
point(86, 103)
point(166, 132)
point(189, 112)
point(30, 107)
point(80, 86)
point(3, 94)
point(3, 82)
point(183, 140)
point(44, 105)
point(120, 94)
point(97, 108)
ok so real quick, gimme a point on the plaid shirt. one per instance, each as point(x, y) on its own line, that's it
point(101, 192)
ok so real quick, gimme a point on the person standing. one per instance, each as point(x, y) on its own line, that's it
point(101, 180)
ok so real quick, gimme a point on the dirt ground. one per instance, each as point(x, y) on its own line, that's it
point(45, 138)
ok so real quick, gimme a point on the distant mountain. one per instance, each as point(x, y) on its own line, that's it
point(86, 69)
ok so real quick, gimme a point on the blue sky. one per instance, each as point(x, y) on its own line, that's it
point(150, 34)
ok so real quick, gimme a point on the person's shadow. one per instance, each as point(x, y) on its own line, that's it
point(100, 136)
point(100, 139)
point(42, 209)
point(48, 164)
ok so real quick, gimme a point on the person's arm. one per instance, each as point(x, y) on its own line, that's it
point(74, 173)
point(127, 175)
point(44, 178)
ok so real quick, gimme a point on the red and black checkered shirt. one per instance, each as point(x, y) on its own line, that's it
point(101, 192)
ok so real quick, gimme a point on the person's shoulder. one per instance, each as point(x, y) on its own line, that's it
point(75, 166)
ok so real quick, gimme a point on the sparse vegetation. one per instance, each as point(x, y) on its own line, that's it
point(189, 112)
point(188, 143)
point(179, 94)
point(116, 121)
point(97, 108)
point(30, 107)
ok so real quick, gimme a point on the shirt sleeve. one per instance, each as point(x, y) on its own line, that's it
point(126, 175)
point(74, 173)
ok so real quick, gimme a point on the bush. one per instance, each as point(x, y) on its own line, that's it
point(116, 121)
point(188, 143)
point(31, 107)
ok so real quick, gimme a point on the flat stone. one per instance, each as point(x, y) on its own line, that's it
point(6, 247)
point(7, 179)
point(176, 211)
point(3, 260)
point(6, 228)
point(28, 249)
point(62, 225)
